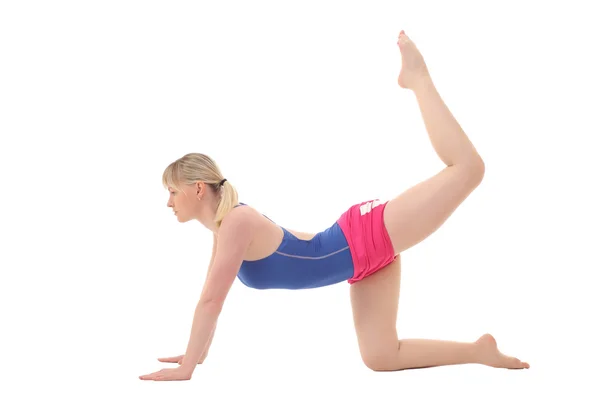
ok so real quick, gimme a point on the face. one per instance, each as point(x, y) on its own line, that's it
point(185, 202)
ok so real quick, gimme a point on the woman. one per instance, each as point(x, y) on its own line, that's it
point(363, 246)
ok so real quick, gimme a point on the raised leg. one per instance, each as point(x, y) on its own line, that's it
point(375, 308)
point(410, 218)
point(422, 209)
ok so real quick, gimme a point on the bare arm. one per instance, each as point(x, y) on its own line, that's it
point(235, 235)
point(212, 334)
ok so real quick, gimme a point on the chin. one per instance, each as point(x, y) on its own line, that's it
point(181, 219)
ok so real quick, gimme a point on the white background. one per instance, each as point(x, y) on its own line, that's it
point(299, 105)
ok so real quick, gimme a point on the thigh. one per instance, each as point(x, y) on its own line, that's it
point(419, 211)
point(375, 309)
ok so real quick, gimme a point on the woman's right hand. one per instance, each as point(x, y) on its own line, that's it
point(177, 359)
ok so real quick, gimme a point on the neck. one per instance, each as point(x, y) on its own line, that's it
point(208, 214)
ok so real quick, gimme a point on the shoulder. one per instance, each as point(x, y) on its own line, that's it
point(241, 215)
point(242, 220)
point(236, 233)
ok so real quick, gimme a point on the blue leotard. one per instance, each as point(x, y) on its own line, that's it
point(301, 264)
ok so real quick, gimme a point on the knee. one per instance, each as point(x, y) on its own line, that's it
point(379, 362)
point(478, 169)
point(473, 171)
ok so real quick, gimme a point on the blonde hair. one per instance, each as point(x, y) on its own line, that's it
point(194, 167)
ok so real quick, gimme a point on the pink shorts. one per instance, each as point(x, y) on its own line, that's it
point(370, 244)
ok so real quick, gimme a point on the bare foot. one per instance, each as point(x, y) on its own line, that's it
point(490, 355)
point(413, 68)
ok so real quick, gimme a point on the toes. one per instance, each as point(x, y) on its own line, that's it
point(516, 363)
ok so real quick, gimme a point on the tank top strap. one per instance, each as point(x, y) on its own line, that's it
point(244, 204)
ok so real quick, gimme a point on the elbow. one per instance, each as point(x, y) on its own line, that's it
point(211, 304)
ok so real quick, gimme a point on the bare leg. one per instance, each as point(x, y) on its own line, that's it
point(410, 218)
point(445, 133)
point(421, 353)
point(375, 306)
point(419, 211)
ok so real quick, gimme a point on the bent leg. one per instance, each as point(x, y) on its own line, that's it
point(409, 218)
point(375, 306)
point(419, 211)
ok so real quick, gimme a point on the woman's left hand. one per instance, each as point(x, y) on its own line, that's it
point(169, 374)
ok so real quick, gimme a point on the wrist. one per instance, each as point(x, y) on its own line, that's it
point(188, 366)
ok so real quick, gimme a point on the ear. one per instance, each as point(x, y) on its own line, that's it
point(200, 188)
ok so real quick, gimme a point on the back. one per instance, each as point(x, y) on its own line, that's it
point(301, 264)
